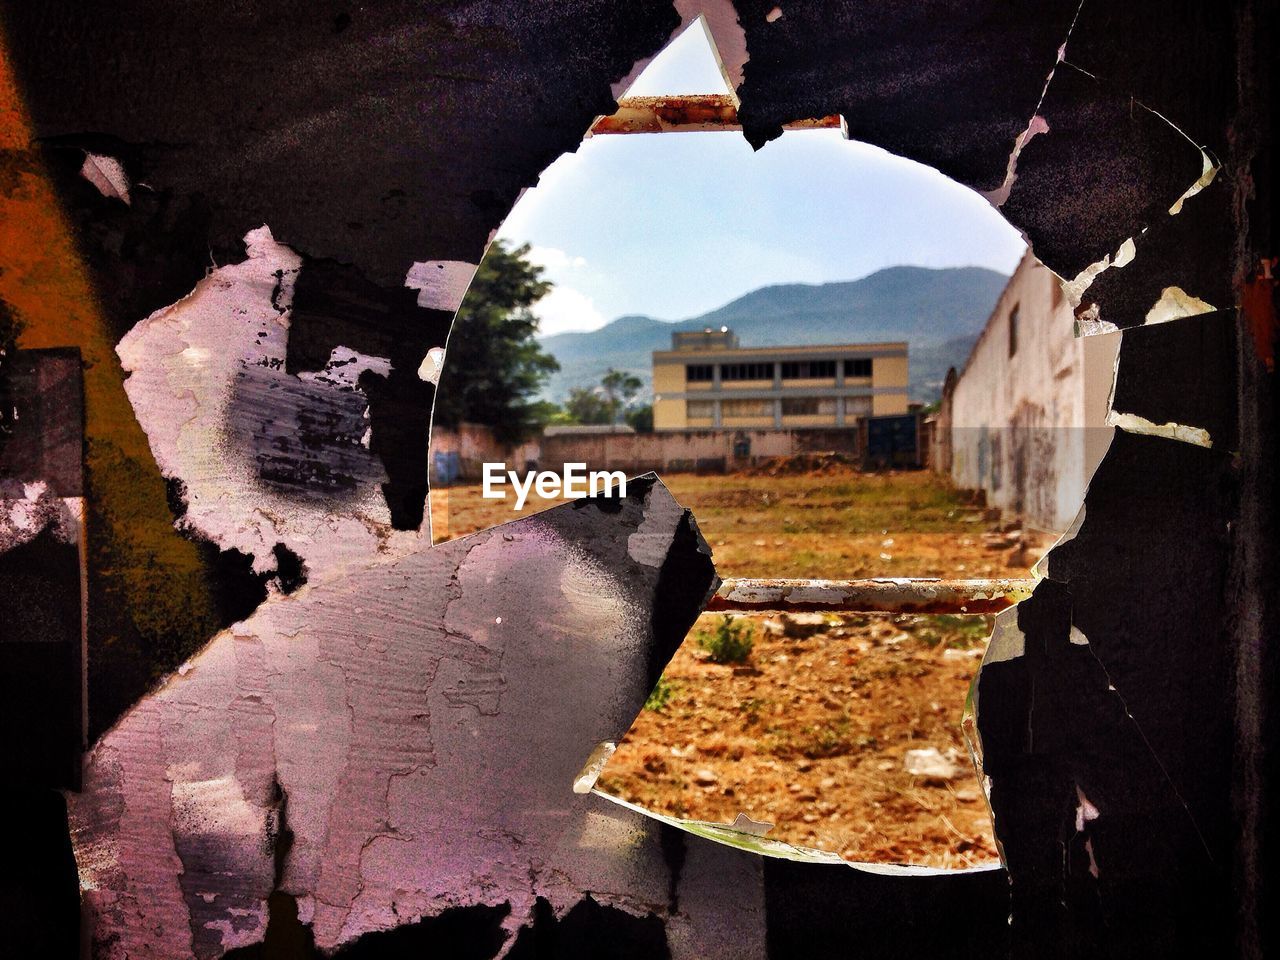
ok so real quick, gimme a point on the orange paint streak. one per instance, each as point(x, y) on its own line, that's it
point(138, 562)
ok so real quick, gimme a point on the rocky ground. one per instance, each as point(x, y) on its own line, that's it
point(842, 731)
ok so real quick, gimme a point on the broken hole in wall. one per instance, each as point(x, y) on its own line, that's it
point(794, 411)
point(686, 305)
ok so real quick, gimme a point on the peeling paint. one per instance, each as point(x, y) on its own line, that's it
point(585, 781)
point(1175, 302)
point(107, 174)
point(206, 379)
point(1173, 431)
point(428, 764)
point(441, 284)
point(432, 365)
point(1206, 178)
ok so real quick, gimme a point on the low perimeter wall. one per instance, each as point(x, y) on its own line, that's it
point(703, 450)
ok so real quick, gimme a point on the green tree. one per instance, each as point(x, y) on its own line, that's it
point(610, 402)
point(619, 388)
point(495, 365)
point(640, 419)
point(588, 405)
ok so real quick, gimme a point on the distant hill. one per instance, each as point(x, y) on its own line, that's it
point(938, 312)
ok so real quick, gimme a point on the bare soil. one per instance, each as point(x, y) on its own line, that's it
point(812, 734)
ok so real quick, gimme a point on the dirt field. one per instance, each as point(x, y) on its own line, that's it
point(839, 524)
point(811, 735)
point(819, 729)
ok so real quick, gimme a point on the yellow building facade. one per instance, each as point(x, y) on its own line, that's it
point(706, 382)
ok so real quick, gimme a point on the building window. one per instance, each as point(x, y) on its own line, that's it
point(746, 408)
point(808, 406)
point(1013, 331)
point(699, 373)
point(857, 406)
point(746, 371)
point(809, 370)
point(859, 367)
point(700, 409)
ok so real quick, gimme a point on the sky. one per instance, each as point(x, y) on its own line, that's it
point(673, 225)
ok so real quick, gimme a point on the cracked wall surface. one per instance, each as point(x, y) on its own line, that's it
point(423, 717)
point(422, 755)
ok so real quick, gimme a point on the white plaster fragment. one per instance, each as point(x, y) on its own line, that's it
point(432, 365)
point(651, 540)
point(591, 770)
point(1075, 288)
point(744, 824)
point(441, 284)
point(1174, 303)
point(107, 174)
point(1132, 423)
point(1000, 195)
point(1077, 637)
point(773, 16)
point(1125, 254)
point(1209, 172)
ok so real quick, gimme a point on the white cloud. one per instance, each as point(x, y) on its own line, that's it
point(564, 309)
point(555, 259)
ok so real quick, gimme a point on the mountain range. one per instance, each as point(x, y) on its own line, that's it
point(939, 312)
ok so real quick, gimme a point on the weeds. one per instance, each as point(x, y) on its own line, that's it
point(959, 632)
point(660, 695)
point(730, 642)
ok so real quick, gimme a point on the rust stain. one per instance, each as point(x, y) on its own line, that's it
point(688, 113)
point(1258, 303)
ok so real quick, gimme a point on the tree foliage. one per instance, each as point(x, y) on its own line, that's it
point(640, 419)
point(588, 405)
point(494, 364)
point(612, 401)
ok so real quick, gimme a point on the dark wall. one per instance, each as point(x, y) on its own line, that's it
point(372, 137)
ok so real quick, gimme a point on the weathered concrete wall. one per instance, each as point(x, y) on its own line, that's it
point(1029, 426)
point(688, 450)
point(475, 446)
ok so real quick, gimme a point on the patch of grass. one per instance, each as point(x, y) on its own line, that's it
point(730, 642)
point(660, 695)
point(751, 708)
point(955, 631)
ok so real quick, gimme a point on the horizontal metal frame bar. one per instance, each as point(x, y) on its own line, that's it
point(881, 595)
point(689, 113)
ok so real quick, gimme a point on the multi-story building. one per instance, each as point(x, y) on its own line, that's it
point(706, 381)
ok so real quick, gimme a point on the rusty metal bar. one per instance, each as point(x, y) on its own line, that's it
point(896, 595)
point(688, 113)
